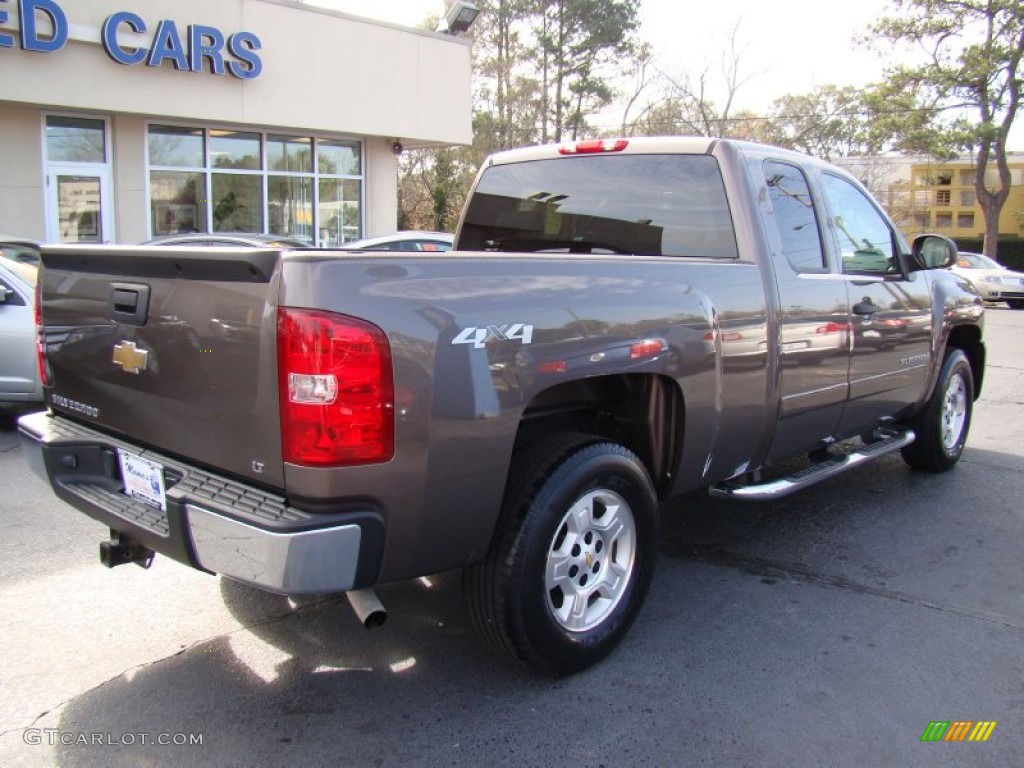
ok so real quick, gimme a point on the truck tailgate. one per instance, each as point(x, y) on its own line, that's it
point(169, 348)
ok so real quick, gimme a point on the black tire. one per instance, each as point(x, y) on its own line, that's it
point(1015, 303)
point(514, 609)
point(942, 426)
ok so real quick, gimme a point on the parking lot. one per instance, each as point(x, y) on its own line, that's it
point(826, 629)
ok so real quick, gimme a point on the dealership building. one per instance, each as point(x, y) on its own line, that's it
point(122, 120)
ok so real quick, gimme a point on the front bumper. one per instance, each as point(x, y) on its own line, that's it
point(212, 523)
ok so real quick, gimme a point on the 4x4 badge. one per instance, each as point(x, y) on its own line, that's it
point(129, 357)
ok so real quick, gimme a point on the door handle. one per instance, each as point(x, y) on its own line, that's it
point(129, 303)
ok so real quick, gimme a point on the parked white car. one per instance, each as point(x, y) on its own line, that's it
point(990, 279)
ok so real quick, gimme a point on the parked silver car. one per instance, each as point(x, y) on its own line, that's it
point(20, 386)
point(23, 250)
point(407, 240)
point(230, 240)
point(990, 279)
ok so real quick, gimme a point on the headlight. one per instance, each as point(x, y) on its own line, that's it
point(992, 279)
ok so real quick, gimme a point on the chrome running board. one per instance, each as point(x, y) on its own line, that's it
point(889, 440)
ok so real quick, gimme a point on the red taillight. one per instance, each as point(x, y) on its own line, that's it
point(831, 328)
point(593, 146)
point(336, 389)
point(37, 311)
point(646, 348)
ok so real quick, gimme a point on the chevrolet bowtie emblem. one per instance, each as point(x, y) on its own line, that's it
point(129, 357)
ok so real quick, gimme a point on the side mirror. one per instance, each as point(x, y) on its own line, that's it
point(934, 252)
point(4, 293)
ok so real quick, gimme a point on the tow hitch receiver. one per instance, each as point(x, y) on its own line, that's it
point(120, 550)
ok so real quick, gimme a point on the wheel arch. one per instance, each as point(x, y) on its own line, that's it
point(967, 338)
point(643, 412)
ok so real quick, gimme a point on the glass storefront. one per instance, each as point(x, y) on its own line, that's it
point(211, 180)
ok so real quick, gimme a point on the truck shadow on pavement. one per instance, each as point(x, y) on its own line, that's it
point(306, 682)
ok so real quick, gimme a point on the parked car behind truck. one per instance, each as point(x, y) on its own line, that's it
point(20, 385)
point(621, 322)
point(990, 279)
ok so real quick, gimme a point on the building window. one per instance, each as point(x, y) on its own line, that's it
point(943, 220)
point(965, 221)
point(943, 197)
point(243, 181)
point(75, 140)
point(922, 220)
point(967, 198)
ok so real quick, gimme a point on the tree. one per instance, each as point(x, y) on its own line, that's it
point(505, 85)
point(684, 104)
point(826, 123)
point(575, 40)
point(972, 67)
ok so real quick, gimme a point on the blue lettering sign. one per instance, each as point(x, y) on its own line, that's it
point(109, 36)
point(206, 43)
point(167, 45)
point(30, 39)
point(204, 48)
point(242, 46)
point(6, 41)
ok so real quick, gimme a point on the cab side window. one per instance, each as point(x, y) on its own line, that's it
point(866, 241)
point(795, 217)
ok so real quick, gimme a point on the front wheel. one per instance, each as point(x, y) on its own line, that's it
point(572, 558)
point(942, 426)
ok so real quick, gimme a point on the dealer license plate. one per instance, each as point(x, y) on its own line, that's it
point(143, 480)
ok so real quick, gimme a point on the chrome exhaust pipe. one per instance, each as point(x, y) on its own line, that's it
point(367, 606)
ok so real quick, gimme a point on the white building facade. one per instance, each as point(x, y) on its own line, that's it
point(123, 120)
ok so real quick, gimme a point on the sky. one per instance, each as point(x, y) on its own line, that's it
point(785, 46)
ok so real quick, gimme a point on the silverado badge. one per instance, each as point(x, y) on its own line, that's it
point(129, 357)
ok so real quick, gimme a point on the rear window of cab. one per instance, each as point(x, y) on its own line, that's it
point(648, 205)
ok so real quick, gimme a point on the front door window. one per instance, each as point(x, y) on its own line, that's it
point(79, 209)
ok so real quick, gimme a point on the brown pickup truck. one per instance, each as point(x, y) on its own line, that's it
point(621, 321)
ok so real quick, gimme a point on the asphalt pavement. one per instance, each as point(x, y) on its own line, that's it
point(827, 629)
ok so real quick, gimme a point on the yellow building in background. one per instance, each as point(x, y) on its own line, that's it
point(940, 197)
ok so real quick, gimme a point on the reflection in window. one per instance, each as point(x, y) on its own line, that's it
point(235, 149)
point(290, 206)
point(794, 216)
point(171, 145)
point(865, 239)
point(79, 204)
point(75, 140)
point(290, 153)
point(237, 203)
point(338, 157)
point(178, 202)
point(338, 211)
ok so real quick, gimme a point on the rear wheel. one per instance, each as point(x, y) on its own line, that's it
point(1015, 303)
point(572, 558)
point(942, 426)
